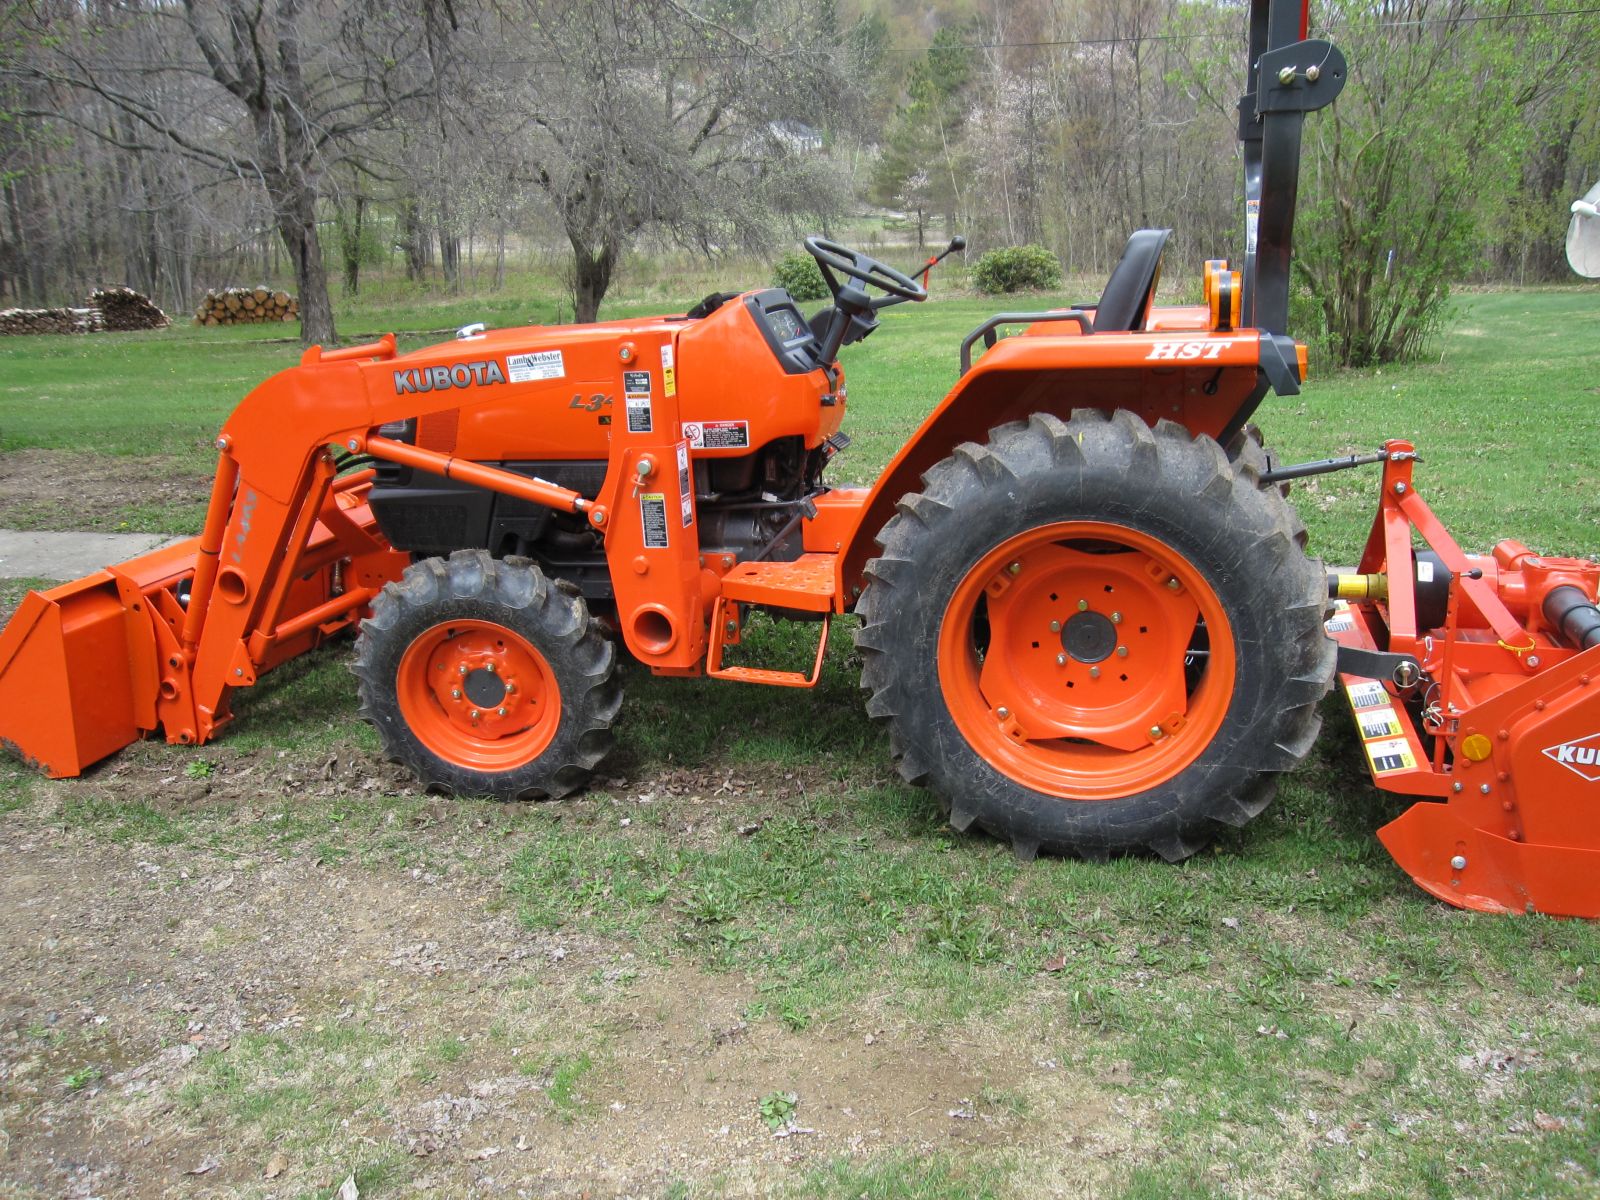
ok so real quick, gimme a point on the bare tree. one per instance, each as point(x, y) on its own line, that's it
point(272, 92)
point(652, 115)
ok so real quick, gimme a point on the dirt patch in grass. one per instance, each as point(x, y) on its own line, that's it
point(208, 1009)
point(63, 489)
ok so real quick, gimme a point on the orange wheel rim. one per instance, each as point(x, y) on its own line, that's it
point(478, 695)
point(1086, 660)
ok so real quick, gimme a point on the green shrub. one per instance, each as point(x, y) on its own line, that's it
point(799, 275)
point(1015, 269)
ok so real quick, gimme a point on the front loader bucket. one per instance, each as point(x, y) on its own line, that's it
point(78, 677)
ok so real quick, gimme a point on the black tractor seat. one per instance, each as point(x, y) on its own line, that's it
point(1125, 304)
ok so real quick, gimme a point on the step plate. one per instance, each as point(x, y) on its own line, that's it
point(806, 584)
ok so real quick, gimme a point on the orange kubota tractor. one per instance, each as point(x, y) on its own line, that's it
point(1086, 610)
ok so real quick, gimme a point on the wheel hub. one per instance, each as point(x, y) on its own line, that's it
point(1089, 637)
point(485, 688)
point(478, 694)
point(1062, 656)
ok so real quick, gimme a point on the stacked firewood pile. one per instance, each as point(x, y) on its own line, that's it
point(122, 308)
point(113, 308)
point(49, 320)
point(244, 306)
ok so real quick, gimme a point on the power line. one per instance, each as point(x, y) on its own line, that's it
point(1056, 43)
point(1044, 44)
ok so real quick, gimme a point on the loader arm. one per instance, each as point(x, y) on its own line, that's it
point(289, 554)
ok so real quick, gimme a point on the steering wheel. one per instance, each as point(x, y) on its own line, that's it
point(863, 267)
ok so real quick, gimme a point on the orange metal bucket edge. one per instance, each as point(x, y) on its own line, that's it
point(63, 703)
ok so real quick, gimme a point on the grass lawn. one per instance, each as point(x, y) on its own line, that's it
point(1284, 1014)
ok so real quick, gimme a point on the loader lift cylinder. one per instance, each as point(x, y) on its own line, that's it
point(210, 548)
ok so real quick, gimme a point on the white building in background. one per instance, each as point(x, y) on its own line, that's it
point(796, 136)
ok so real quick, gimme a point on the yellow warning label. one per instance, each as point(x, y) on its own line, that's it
point(669, 372)
point(1390, 756)
point(1378, 723)
point(1366, 693)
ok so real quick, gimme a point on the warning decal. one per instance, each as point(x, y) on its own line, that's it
point(669, 373)
point(653, 516)
point(685, 485)
point(542, 364)
point(1390, 756)
point(1379, 723)
point(636, 395)
point(717, 435)
point(1366, 694)
point(1339, 623)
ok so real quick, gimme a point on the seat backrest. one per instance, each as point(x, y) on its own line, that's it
point(1125, 304)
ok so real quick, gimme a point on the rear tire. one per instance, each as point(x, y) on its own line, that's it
point(1093, 637)
point(487, 679)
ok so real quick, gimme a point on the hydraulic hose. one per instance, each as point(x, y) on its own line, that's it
point(1572, 614)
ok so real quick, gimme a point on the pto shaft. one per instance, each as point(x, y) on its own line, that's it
point(1574, 616)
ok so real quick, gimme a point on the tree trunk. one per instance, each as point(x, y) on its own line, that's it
point(449, 250)
point(414, 238)
point(350, 230)
point(297, 223)
point(591, 276)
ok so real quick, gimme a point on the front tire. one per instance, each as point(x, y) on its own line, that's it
point(486, 679)
point(1093, 637)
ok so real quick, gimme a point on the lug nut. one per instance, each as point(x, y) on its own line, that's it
point(1156, 732)
point(1173, 584)
point(1015, 568)
point(502, 712)
point(1061, 660)
point(455, 693)
point(1484, 789)
point(1003, 713)
point(1083, 606)
point(1055, 626)
point(1122, 652)
point(1116, 618)
point(474, 714)
point(489, 667)
point(462, 669)
point(1094, 672)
